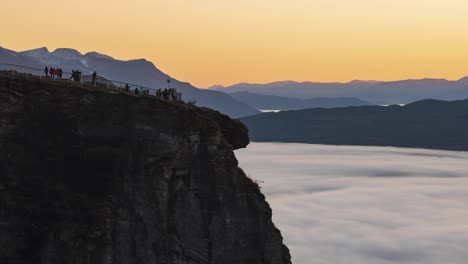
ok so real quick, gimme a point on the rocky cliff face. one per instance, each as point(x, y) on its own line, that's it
point(94, 177)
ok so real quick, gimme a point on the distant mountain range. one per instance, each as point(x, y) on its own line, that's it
point(141, 72)
point(271, 102)
point(424, 124)
point(376, 92)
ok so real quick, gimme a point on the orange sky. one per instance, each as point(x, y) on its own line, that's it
point(209, 42)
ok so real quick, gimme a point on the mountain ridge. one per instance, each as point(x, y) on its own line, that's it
point(378, 92)
point(332, 82)
point(271, 102)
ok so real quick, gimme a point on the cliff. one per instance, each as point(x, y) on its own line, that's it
point(95, 177)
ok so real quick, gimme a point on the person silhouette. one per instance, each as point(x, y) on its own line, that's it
point(94, 78)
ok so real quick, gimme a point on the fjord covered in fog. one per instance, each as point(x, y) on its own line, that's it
point(369, 205)
point(234, 132)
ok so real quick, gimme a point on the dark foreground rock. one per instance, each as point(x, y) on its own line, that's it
point(92, 177)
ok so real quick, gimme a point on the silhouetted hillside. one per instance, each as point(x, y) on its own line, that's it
point(261, 101)
point(424, 124)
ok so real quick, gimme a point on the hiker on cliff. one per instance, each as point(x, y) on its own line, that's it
point(73, 76)
point(173, 94)
point(165, 94)
point(76, 75)
point(127, 88)
point(60, 73)
point(158, 94)
point(94, 78)
point(136, 92)
point(46, 71)
point(52, 73)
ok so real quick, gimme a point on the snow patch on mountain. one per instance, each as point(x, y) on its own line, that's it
point(70, 54)
point(98, 55)
point(85, 63)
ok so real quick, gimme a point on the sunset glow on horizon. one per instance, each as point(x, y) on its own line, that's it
point(209, 42)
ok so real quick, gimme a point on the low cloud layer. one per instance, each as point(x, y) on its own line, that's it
point(366, 205)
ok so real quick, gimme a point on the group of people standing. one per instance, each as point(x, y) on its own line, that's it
point(169, 94)
point(57, 74)
point(141, 91)
point(54, 73)
point(76, 75)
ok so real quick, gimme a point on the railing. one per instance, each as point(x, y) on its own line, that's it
point(14, 70)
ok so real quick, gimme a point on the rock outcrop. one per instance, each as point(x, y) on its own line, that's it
point(91, 177)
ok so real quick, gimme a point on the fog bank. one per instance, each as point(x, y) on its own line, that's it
point(341, 204)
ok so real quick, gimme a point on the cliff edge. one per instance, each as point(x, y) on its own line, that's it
point(97, 177)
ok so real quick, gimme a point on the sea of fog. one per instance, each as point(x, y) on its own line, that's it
point(366, 205)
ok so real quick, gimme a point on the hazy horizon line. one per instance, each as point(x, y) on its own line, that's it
point(339, 82)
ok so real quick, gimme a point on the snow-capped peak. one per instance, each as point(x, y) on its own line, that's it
point(36, 53)
point(64, 53)
point(98, 55)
